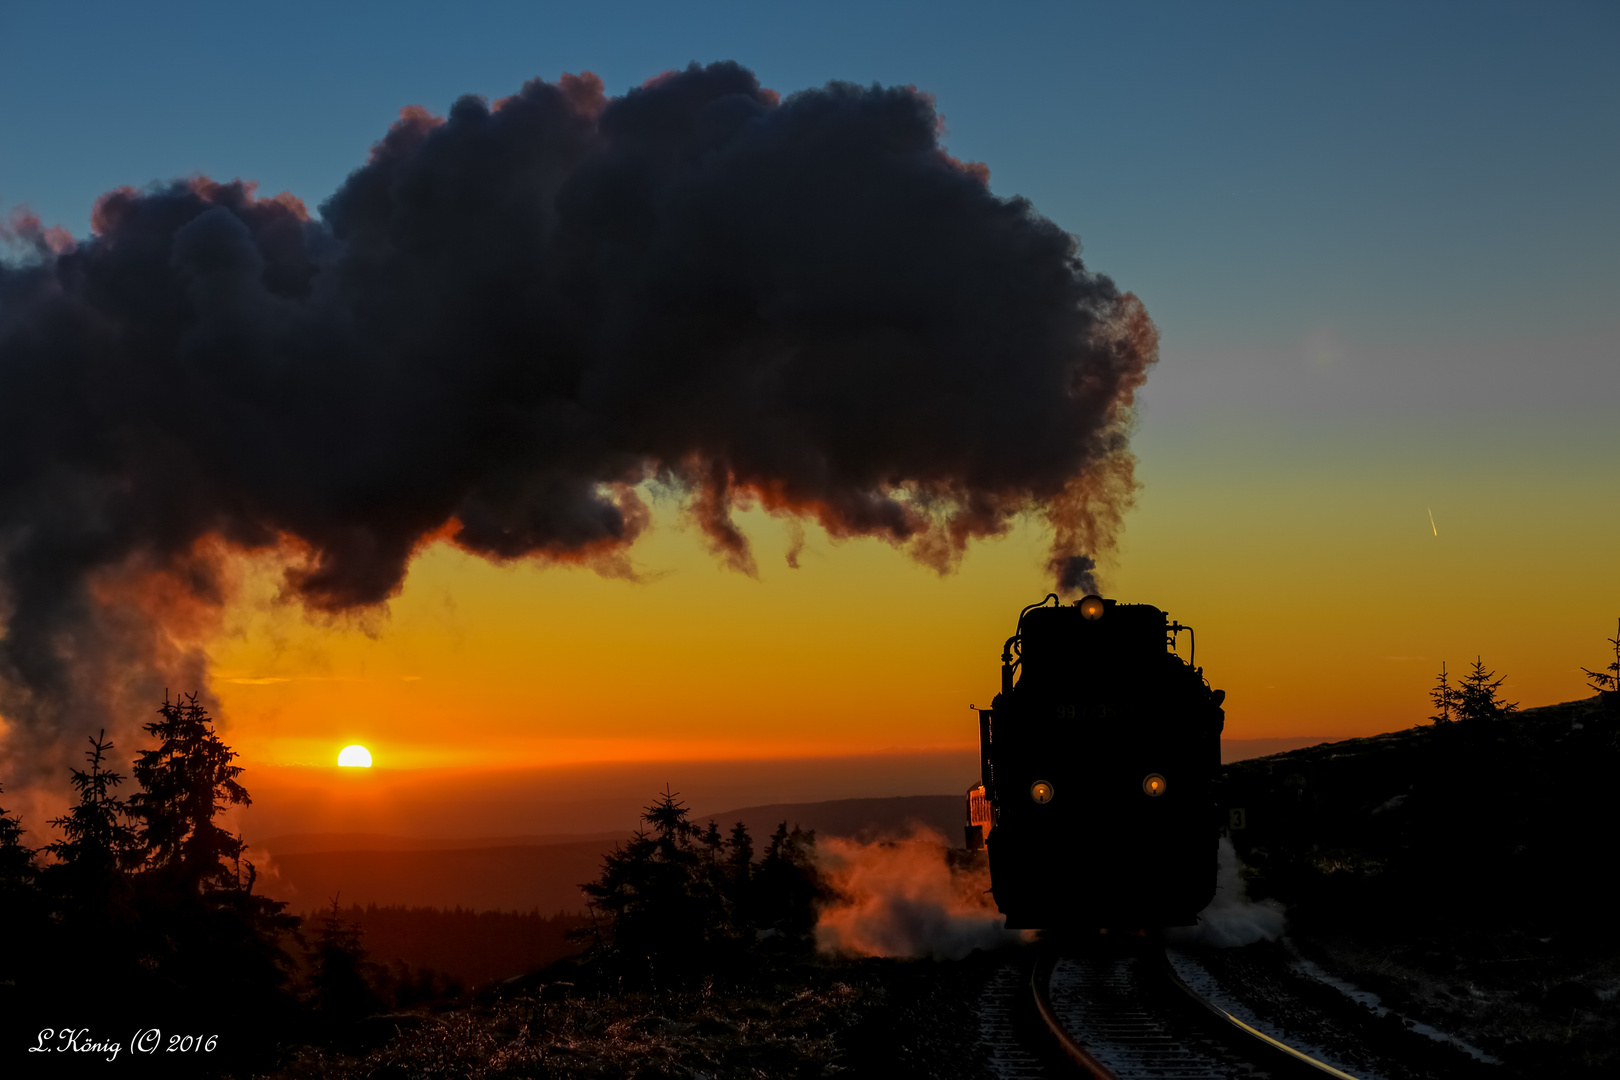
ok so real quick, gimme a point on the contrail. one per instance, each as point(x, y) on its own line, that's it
point(1431, 521)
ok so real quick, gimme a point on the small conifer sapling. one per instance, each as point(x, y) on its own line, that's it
point(1608, 679)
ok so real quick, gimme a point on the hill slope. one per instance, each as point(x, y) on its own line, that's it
point(510, 874)
point(1459, 872)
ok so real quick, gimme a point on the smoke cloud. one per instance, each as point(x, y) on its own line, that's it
point(497, 328)
point(902, 898)
point(1076, 573)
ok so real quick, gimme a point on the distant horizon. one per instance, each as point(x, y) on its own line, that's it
point(597, 798)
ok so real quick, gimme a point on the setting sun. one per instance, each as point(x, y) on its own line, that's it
point(355, 757)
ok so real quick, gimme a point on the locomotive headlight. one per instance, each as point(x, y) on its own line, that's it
point(1041, 792)
point(1091, 608)
point(1153, 784)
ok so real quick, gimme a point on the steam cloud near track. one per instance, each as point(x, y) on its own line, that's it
point(1231, 919)
point(499, 326)
point(901, 898)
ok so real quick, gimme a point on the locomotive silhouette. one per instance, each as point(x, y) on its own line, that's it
point(1099, 758)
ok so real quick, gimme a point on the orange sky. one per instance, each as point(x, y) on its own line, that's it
point(522, 699)
point(1323, 602)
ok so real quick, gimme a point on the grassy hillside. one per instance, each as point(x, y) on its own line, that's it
point(1462, 871)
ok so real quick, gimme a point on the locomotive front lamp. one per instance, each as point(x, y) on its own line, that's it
point(1091, 608)
point(1153, 784)
point(1041, 792)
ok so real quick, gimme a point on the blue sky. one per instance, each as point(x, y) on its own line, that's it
point(1258, 172)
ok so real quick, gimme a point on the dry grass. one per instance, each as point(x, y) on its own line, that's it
point(1542, 1010)
point(888, 1018)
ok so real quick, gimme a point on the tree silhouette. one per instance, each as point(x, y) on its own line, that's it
point(680, 902)
point(1477, 702)
point(209, 936)
point(787, 885)
point(738, 873)
point(143, 910)
point(98, 841)
point(1607, 679)
point(186, 780)
point(649, 902)
point(713, 842)
point(669, 818)
point(1444, 697)
point(711, 885)
point(93, 924)
point(21, 911)
point(341, 989)
point(17, 867)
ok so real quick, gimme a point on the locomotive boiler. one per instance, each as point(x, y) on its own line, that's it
point(1099, 760)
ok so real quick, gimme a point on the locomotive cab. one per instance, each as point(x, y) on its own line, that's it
point(1100, 757)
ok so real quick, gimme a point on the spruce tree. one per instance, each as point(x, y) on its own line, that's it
point(1477, 702)
point(738, 871)
point(21, 911)
point(710, 887)
point(669, 818)
point(186, 780)
point(94, 924)
point(787, 885)
point(17, 867)
point(1444, 698)
point(1608, 679)
point(682, 902)
point(666, 908)
point(216, 945)
point(341, 989)
point(97, 841)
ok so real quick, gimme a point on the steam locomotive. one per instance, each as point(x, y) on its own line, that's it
point(1099, 760)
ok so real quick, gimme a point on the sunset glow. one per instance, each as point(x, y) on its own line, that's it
point(706, 597)
point(736, 465)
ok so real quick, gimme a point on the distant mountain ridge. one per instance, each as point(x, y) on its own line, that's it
point(307, 843)
point(544, 872)
point(544, 878)
point(863, 819)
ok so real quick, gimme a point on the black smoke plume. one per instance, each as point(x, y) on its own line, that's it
point(499, 326)
point(1077, 573)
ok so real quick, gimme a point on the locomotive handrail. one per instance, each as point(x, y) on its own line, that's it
point(1014, 645)
point(1032, 607)
point(1008, 665)
point(1192, 639)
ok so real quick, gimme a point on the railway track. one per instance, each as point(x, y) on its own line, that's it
point(1118, 1010)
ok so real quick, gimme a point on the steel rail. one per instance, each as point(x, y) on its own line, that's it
point(1040, 980)
point(1299, 1056)
point(1074, 1049)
